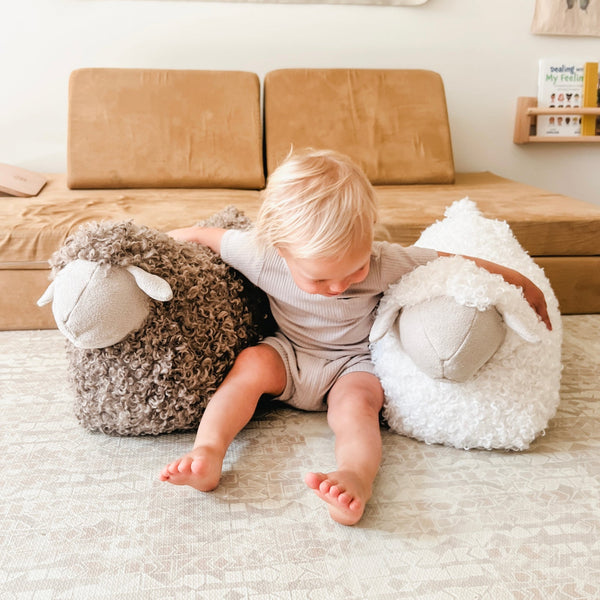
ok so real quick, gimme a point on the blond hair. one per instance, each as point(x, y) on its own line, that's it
point(317, 204)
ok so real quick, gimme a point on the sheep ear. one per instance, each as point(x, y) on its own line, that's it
point(47, 296)
point(520, 328)
point(387, 315)
point(153, 285)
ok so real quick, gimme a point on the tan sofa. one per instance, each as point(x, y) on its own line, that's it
point(167, 148)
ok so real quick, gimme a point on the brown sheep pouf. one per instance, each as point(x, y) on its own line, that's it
point(160, 376)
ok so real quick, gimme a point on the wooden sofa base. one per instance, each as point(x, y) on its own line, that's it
point(18, 309)
point(575, 280)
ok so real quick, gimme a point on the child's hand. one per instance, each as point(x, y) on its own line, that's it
point(531, 292)
point(207, 236)
point(183, 235)
point(535, 297)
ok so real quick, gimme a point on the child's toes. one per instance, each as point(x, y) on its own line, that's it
point(345, 499)
point(184, 464)
point(173, 468)
point(335, 491)
point(325, 486)
point(198, 466)
point(355, 505)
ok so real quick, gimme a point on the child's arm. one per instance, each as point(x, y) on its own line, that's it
point(206, 236)
point(532, 293)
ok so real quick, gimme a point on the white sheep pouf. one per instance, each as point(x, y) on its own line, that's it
point(510, 398)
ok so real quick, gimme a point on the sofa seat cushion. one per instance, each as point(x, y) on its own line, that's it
point(143, 128)
point(545, 223)
point(31, 229)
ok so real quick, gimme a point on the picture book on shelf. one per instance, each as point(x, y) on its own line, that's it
point(560, 85)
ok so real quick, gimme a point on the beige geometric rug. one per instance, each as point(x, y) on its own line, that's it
point(83, 516)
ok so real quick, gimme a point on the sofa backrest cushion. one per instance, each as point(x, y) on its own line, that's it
point(392, 122)
point(147, 128)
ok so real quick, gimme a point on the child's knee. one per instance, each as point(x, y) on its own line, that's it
point(263, 365)
point(249, 356)
point(359, 392)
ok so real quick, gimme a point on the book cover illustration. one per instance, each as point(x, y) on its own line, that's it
point(560, 85)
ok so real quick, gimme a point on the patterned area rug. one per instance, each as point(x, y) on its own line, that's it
point(84, 516)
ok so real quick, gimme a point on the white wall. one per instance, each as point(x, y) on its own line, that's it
point(484, 51)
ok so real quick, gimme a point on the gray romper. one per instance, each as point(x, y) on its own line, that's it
point(319, 338)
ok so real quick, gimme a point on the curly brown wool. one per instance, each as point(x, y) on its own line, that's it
point(160, 377)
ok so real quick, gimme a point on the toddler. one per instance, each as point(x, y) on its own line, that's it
point(312, 251)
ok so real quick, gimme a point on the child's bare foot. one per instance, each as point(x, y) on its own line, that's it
point(200, 469)
point(345, 493)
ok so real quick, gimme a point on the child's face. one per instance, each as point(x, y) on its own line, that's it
point(329, 276)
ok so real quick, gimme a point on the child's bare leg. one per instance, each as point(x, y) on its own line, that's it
point(354, 403)
point(257, 370)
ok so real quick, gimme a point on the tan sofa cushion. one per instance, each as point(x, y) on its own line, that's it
point(158, 128)
point(31, 229)
point(392, 122)
point(546, 224)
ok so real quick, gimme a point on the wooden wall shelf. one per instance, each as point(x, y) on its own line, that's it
point(527, 110)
